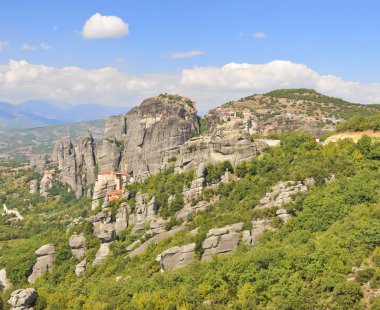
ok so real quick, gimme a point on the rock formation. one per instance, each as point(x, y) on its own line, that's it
point(23, 299)
point(34, 186)
point(251, 237)
point(77, 244)
point(76, 165)
point(282, 193)
point(4, 282)
point(46, 183)
point(221, 240)
point(233, 145)
point(145, 213)
point(176, 257)
point(39, 162)
point(80, 268)
point(44, 263)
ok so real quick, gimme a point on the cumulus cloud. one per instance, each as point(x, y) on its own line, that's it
point(259, 35)
point(187, 54)
point(99, 27)
point(3, 45)
point(208, 86)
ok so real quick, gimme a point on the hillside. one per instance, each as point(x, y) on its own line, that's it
point(288, 110)
point(170, 211)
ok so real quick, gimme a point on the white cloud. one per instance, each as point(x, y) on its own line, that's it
point(45, 46)
point(208, 86)
point(259, 35)
point(28, 47)
point(100, 27)
point(3, 45)
point(187, 54)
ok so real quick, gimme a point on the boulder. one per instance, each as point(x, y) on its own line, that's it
point(221, 240)
point(4, 282)
point(80, 268)
point(77, 244)
point(23, 299)
point(283, 214)
point(251, 237)
point(176, 257)
point(44, 263)
point(102, 253)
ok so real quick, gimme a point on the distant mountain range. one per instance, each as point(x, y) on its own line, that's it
point(36, 113)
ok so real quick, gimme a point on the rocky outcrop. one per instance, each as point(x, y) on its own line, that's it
point(155, 239)
point(39, 162)
point(76, 165)
point(4, 282)
point(44, 263)
point(46, 183)
point(283, 215)
point(122, 216)
point(221, 240)
point(77, 244)
point(80, 268)
point(105, 231)
point(196, 186)
point(282, 193)
point(23, 299)
point(251, 237)
point(190, 209)
point(145, 214)
point(34, 186)
point(176, 257)
point(233, 146)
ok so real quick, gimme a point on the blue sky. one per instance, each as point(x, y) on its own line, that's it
point(337, 38)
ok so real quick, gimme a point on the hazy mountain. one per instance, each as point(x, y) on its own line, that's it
point(37, 113)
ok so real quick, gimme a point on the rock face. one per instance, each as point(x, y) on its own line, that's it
point(77, 244)
point(153, 133)
point(39, 161)
point(196, 186)
point(4, 282)
point(176, 257)
point(105, 231)
point(282, 193)
point(46, 183)
point(234, 146)
point(76, 165)
point(80, 268)
point(221, 240)
point(23, 299)
point(34, 186)
point(283, 214)
point(44, 263)
point(251, 237)
point(145, 213)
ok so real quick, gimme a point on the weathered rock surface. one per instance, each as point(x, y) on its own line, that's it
point(34, 186)
point(4, 282)
point(283, 214)
point(221, 240)
point(122, 216)
point(76, 165)
point(155, 239)
point(251, 237)
point(282, 193)
point(196, 186)
point(80, 268)
point(102, 253)
point(233, 146)
point(23, 299)
point(46, 183)
point(39, 162)
point(145, 213)
point(189, 209)
point(176, 257)
point(44, 263)
point(77, 244)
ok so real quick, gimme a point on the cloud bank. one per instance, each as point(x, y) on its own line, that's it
point(209, 86)
point(104, 27)
point(187, 54)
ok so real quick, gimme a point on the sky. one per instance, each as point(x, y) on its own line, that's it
point(118, 52)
